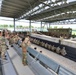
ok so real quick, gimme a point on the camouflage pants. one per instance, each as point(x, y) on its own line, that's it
point(24, 58)
point(11, 41)
point(3, 54)
point(4, 47)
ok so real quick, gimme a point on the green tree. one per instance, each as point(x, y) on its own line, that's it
point(31, 26)
point(17, 26)
point(11, 26)
point(50, 27)
point(61, 27)
point(1, 26)
point(55, 27)
point(5, 26)
point(20, 26)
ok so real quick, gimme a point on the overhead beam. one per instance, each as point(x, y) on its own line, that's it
point(51, 10)
point(51, 13)
point(33, 5)
point(66, 17)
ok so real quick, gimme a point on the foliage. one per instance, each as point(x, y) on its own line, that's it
point(50, 27)
point(73, 32)
point(11, 26)
point(55, 27)
point(61, 27)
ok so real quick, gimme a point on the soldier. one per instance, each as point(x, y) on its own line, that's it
point(15, 38)
point(38, 42)
point(11, 39)
point(49, 46)
point(25, 44)
point(3, 46)
point(63, 51)
point(53, 48)
point(46, 45)
point(58, 50)
point(60, 39)
point(43, 44)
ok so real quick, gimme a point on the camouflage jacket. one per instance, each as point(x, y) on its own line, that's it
point(2, 42)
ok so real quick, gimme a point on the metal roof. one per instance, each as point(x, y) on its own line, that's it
point(56, 13)
point(16, 8)
point(39, 10)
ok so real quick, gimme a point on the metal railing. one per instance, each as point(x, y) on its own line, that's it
point(43, 65)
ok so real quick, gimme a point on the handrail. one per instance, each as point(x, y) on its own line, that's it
point(49, 63)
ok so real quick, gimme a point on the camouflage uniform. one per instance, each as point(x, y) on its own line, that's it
point(24, 45)
point(58, 50)
point(11, 39)
point(63, 51)
point(24, 57)
point(3, 47)
point(16, 38)
point(60, 39)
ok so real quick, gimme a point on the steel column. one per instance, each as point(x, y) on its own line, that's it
point(41, 26)
point(14, 24)
point(30, 26)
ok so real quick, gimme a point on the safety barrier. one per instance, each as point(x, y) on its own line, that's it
point(47, 63)
point(1, 70)
point(64, 71)
point(67, 47)
point(18, 49)
point(38, 68)
point(45, 60)
point(43, 65)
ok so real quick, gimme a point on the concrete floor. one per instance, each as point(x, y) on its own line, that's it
point(17, 62)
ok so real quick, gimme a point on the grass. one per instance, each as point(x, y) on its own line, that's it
point(73, 32)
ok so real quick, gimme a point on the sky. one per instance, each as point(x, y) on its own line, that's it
point(71, 0)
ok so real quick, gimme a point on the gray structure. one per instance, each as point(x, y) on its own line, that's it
point(39, 10)
point(45, 11)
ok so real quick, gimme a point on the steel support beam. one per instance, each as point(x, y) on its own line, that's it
point(30, 26)
point(41, 25)
point(14, 24)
